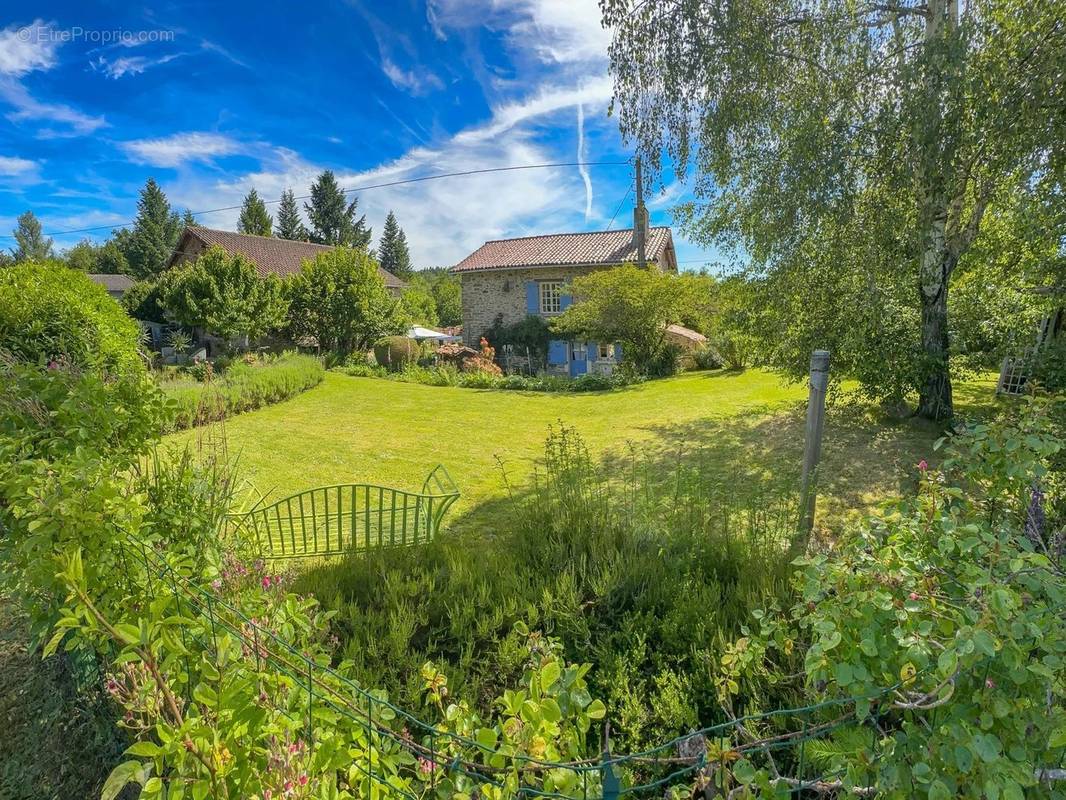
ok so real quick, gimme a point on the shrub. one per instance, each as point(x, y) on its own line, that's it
point(706, 356)
point(225, 295)
point(244, 387)
point(339, 301)
point(1050, 367)
point(639, 570)
point(953, 600)
point(49, 312)
point(529, 335)
point(144, 301)
point(396, 352)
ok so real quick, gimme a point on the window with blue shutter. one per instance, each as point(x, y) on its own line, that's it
point(556, 352)
point(532, 298)
point(618, 352)
point(565, 301)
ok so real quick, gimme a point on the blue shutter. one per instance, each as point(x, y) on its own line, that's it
point(532, 298)
point(556, 352)
point(564, 301)
point(618, 352)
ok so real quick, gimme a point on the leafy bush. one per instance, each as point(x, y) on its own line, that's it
point(954, 602)
point(224, 294)
point(528, 335)
point(448, 375)
point(244, 387)
point(633, 307)
point(339, 301)
point(49, 312)
point(644, 578)
point(396, 352)
point(1050, 368)
point(707, 357)
point(144, 301)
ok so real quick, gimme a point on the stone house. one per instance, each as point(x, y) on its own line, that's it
point(271, 256)
point(510, 279)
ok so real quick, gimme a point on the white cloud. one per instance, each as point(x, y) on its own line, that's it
point(131, 65)
point(562, 31)
point(29, 48)
point(29, 108)
point(178, 148)
point(13, 166)
point(556, 31)
point(417, 80)
point(444, 219)
point(26, 48)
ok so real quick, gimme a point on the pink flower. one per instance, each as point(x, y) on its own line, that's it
point(914, 595)
point(267, 794)
point(303, 779)
point(990, 684)
point(53, 364)
point(266, 581)
point(425, 765)
point(216, 584)
point(922, 465)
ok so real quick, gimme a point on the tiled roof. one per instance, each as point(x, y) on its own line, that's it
point(564, 249)
point(271, 256)
point(113, 283)
point(686, 333)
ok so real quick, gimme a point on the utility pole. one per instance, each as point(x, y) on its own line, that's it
point(640, 222)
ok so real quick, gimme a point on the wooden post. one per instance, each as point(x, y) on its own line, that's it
point(812, 450)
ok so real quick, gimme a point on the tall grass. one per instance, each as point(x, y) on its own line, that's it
point(640, 568)
point(243, 387)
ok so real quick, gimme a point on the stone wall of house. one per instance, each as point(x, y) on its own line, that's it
point(503, 291)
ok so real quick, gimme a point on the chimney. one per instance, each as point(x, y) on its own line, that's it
point(640, 222)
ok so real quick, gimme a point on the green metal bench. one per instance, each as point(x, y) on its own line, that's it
point(347, 518)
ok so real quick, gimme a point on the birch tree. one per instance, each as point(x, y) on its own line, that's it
point(878, 130)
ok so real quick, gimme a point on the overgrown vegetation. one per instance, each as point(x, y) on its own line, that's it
point(244, 386)
point(644, 575)
point(50, 312)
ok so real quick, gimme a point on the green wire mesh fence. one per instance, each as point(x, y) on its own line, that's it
point(775, 740)
point(347, 518)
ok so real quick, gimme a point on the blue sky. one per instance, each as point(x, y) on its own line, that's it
point(213, 99)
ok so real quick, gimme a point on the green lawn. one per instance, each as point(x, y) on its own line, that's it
point(366, 429)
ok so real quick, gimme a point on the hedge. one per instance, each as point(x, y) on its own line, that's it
point(245, 387)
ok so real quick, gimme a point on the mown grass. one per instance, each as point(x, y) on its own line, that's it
point(365, 429)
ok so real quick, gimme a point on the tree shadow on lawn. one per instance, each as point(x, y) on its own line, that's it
point(867, 458)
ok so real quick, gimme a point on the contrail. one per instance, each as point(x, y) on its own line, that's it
point(581, 158)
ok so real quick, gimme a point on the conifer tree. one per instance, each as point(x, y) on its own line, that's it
point(155, 232)
point(254, 218)
point(289, 224)
point(31, 241)
point(333, 217)
point(392, 252)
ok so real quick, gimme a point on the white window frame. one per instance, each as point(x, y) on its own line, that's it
point(605, 351)
point(550, 297)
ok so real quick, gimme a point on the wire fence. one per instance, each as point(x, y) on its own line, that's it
point(775, 740)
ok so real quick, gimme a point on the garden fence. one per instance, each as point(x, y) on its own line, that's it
point(347, 518)
point(768, 740)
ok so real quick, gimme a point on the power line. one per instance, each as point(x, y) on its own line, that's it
point(362, 189)
point(619, 207)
